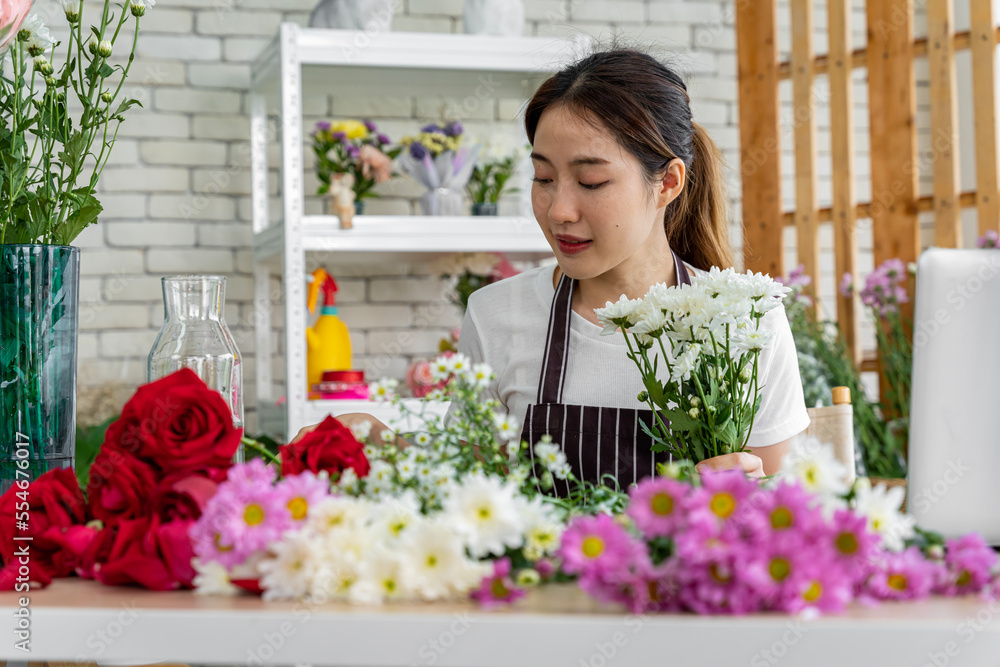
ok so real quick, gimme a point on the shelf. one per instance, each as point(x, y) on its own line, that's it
point(407, 63)
point(272, 417)
point(410, 237)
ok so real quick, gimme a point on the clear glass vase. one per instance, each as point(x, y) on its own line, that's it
point(194, 335)
point(442, 201)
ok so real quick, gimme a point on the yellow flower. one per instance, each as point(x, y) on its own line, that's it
point(354, 129)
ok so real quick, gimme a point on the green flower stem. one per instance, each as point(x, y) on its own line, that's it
point(262, 450)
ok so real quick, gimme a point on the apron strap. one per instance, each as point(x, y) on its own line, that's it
point(553, 378)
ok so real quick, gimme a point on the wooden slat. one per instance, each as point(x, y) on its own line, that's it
point(944, 119)
point(844, 209)
point(760, 146)
point(804, 121)
point(892, 113)
point(863, 210)
point(984, 83)
point(859, 57)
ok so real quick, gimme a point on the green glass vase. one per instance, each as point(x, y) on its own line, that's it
point(39, 326)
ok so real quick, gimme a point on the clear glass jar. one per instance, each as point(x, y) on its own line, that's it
point(194, 335)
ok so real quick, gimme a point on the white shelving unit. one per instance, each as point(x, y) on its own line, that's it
point(401, 64)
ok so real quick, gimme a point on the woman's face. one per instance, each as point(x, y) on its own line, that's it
point(590, 197)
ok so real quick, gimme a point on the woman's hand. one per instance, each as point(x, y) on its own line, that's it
point(749, 463)
point(348, 420)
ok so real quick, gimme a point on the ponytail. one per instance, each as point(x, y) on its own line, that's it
point(646, 107)
point(696, 222)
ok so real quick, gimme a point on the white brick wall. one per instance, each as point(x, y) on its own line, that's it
point(176, 193)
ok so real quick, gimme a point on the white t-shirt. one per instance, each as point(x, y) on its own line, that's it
point(506, 326)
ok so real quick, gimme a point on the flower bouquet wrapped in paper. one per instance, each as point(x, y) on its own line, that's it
point(697, 347)
point(438, 160)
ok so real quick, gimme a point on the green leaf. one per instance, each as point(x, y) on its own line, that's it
point(79, 220)
point(680, 420)
point(654, 389)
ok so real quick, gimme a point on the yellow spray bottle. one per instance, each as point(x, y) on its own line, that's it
point(328, 342)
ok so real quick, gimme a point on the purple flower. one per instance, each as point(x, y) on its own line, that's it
point(789, 508)
point(498, 589)
point(322, 126)
point(847, 285)
point(382, 138)
point(432, 127)
point(596, 546)
point(797, 277)
point(370, 126)
point(339, 136)
point(418, 151)
point(353, 151)
point(885, 288)
point(991, 239)
point(853, 545)
point(656, 506)
point(906, 575)
point(453, 129)
point(720, 497)
point(301, 492)
point(969, 564)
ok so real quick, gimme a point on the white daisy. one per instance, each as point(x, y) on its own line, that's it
point(212, 579)
point(361, 429)
point(507, 427)
point(482, 375)
point(387, 436)
point(335, 513)
point(287, 574)
point(814, 464)
point(483, 510)
point(880, 505)
point(383, 390)
point(434, 561)
point(41, 39)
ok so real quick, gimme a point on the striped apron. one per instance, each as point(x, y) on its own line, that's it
point(597, 441)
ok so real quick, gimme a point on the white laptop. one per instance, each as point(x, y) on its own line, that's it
point(954, 452)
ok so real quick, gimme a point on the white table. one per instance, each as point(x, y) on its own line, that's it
point(82, 621)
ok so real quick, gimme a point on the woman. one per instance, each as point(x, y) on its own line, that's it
point(629, 192)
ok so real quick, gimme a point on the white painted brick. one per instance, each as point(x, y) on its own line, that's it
point(90, 237)
point(227, 180)
point(405, 341)
point(407, 289)
point(120, 372)
point(437, 315)
point(222, 127)
point(676, 36)
point(229, 236)
point(244, 261)
point(562, 29)
point(128, 205)
point(608, 10)
point(150, 73)
point(244, 49)
point(446, 7)
point(286, 5)
point(239, 288)
point(716, 38)
point(364, 316)
point(350, 290)
point(710, 112)
point(382, 366)
point(180, 47)
point(387, 206)
point(219, 75)
point(187, 207)
point(547, 10)
point(152, 179)
point(125, 288)
point(456, 108)
point(194, 260)
point(100, 261)
point(688, 12)
point(168, 20)
point(144, 234)
point(86, 346)
point(422, 24)
point(112, 316)
point(213, 22)
point(187, 153)
point(372, 106)
point(198, 101)
point(147, 124)
point(510, 109)
point(90, 289)
point(125, 151)
point(116, 344)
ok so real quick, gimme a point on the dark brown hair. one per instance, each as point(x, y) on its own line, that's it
point(646, 107)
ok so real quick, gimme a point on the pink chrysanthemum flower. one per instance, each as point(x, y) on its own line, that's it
point(254, 472)
point(906, 575)
point(656, 506)
point(790, 508)
point(779, 571)
point(854, 547)
point(498, 589)
point(596, 546)
point(720, 497)
point(301, 492)
point(719, 586)
point(239, 521)
point(824, 587)
point(969, 564)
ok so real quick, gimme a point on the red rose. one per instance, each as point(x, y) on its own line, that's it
point(178, 424)
point(143, 551)
point(47, 512)
point(121, 486)
point(183, 499)
point(330, 447)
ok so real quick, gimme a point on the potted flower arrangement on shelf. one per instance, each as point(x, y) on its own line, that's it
point(352, 157)
point(438, 160)
point(58, 124)
point(498, 160)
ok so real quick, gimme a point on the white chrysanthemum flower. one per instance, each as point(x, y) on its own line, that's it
point(507, 427)
point(395, 515)
point(459, 364)
point(553, 458)
point(383, 390)
point(431, 556)
point(348, 481)
point(617, 314)
point(386, 575)
point(361, 429)
point(543, 530)
point(751, 340)
point(880, 505)
point(406, 468)
point(287, 573)
point(483, 510)
point(41, 39)
point(482, 375)
point(212, 578)
point(815, 466)
point(441, 369)
point(387, 436)
point(422, 439)
point(335, 513)
point(651, 321)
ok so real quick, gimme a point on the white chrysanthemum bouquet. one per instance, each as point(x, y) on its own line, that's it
point(697, 347)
